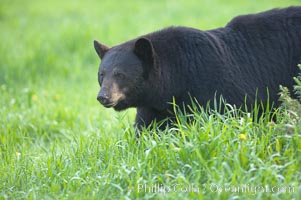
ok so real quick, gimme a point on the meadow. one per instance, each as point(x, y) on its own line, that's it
point(57, 142)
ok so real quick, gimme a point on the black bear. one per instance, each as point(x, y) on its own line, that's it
point(239, 61)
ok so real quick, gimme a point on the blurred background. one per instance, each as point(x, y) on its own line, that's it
point(48, 67)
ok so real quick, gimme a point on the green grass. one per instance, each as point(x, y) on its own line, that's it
point(56, 142)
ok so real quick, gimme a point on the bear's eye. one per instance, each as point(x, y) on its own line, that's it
point(119, 75)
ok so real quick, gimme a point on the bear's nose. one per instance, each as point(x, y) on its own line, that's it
point(103, 98)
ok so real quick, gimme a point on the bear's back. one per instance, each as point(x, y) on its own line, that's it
point(275, 19)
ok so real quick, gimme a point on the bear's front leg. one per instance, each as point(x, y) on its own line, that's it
point(146, 116)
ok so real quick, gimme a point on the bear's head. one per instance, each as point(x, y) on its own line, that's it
point(123, 73)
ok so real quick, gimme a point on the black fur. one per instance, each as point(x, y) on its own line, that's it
point(251, 53)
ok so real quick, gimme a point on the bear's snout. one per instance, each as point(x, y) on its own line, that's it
point(110, 96)
point(103, 98)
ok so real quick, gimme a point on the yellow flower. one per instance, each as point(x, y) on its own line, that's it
point(34, 98)
point(57, 97)
point(242, 136)
point(18, 154)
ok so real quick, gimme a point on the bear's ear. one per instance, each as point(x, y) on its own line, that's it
point(144, 50)
point(100, 49)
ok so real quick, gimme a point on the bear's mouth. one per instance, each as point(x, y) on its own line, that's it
point(110, 105)
point(118, 106)
point(121, 105)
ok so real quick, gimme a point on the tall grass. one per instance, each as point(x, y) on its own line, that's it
point(56, 142)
